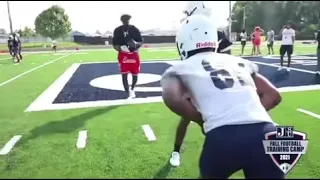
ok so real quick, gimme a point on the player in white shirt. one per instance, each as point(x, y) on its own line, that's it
point(223, 88)
point(54, 45)
point(270, 39)
point(288, 38)
point(195, 8)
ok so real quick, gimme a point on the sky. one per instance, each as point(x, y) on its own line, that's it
point(89, 16)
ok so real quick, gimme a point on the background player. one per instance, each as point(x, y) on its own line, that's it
point(54, 45)
point(10, 45)
point(270, 39)
point(288, 38)
point(223, 96)
point(16, 48)
point(19, 46)
point(127, 40)
point(196, 8)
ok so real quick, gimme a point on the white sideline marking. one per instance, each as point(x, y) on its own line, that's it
point(82, 139)
point(309, 113)
point(3, 59)
point(10, 58)
point(33, 69)
point(8, 147)
point(148, 132)
point(48, 96)
point(299, 88)
point(160, 60)
point(295, 69)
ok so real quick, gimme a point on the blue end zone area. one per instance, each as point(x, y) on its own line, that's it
point(302, 70)
point(79, 89)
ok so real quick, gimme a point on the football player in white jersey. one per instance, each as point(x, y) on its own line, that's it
point(232, 98)
point(196, 8)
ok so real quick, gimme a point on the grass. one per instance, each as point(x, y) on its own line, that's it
point(117, 147)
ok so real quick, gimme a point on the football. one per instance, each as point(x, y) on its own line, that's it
point(132, 45)
point(178, 100)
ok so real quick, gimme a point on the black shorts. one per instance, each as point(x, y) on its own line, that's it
point(286, 49)
point(270, 44)
point(243, 43)
point(228, 149)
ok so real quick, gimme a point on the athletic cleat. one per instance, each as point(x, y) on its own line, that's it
point(318, 73)
point(280, 68)
point(175, 159)
point(288, 69)
point(132, 94)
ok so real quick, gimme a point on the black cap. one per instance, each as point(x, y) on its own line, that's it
point(125, 16)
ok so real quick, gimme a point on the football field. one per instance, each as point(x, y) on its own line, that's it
point(68, 115)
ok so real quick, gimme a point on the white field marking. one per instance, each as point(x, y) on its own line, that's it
point(309, 113)
point(59, 54)
point(10, 58)
point(148, 132)
point(160, 60)
point(162, 50)
point(48, 96)
point(108, 48)
point(82, 139)
point(4, 59)
point(33, 69)
point(81, 53)
point(295, 69)
point(299, 88)
point(45, 100)
point(8, 147)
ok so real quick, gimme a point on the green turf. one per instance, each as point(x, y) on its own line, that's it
point(117, 147)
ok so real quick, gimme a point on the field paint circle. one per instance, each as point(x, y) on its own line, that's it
point(114, 82)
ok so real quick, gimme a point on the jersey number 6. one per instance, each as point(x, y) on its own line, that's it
point(221, 78)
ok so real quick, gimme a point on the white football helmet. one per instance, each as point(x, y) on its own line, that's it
point(195, 33)
point(197, 7)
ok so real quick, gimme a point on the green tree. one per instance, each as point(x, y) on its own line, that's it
point(26, 32)
point(53, 23)
point(273, 14)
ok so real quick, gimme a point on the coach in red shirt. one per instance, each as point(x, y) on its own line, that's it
point(127, 40)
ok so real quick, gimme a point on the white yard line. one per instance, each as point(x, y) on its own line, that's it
point(10, 58)
point(33, 69)
point(148, 132)
point(309, 113)
point(82, 139)
point(48, 96)
point(8, 147)
point(4, 59)
point(295, 69)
